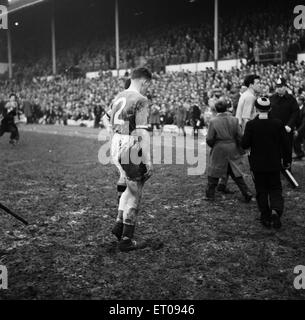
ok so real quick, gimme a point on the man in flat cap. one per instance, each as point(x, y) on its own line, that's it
point(285, 108)
point(266, 137)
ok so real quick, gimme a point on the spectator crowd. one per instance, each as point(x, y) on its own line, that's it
point(56, 100)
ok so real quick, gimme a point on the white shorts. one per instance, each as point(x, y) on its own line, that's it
point(121, 149)
point(119, 144)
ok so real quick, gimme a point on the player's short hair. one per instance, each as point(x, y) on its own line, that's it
point(141, 73)
point(250, 79)
point(221, 106)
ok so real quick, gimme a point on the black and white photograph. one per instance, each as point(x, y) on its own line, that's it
point(152, 151)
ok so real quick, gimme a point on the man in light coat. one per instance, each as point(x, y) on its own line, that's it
point(224, 136)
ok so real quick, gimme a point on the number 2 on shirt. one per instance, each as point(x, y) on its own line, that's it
point(116, 119)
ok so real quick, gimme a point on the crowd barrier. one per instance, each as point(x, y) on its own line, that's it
point(225, 65)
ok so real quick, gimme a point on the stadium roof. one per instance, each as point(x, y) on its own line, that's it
point(15, 5)
point(77, 18)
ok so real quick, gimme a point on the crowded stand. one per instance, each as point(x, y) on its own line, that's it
point(61, 99)
point(265, 42)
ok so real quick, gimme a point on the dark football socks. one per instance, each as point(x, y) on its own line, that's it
point(128, 231)
point(118, 230)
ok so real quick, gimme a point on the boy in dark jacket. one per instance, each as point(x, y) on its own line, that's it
point(266, 137)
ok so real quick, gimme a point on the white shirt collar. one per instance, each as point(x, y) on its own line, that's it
point(263, 116)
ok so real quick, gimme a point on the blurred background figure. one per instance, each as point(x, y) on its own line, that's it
point(196, 119)
point(37, 112)
point(27, 108)
point(162, 117)
point(299, 133)
point(154, 118)
point(180, 118)
point(98, 113)
point(8, 124)
point(285, 108)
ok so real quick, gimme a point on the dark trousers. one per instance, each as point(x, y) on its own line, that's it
point(269, 193)
point(11, 128)
point(297, 146)
point(213, 182)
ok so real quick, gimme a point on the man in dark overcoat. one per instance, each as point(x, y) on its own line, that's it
point(267, 139)
point(285, 108)
point(299, 133)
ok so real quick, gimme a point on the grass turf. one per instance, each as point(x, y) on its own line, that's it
point(211, 250)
